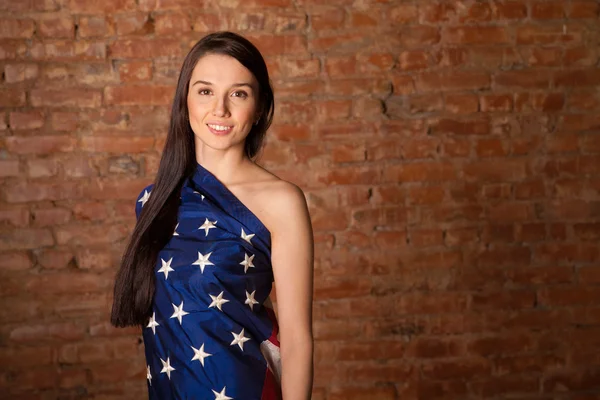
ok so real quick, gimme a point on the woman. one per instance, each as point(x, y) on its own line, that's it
point(213, 232)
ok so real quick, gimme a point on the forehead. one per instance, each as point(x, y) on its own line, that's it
point(220, 69)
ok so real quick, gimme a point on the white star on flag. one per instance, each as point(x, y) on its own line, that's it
point(221, 396)
point(207, 225)
point(149, 375)
point(202, 261)
point(166, 267)
point(250, 299)
point(152, 323)
point(178, 312)
point(167, 367)
point(175, 231)
point(247, 237)
point(200, 354)
point(144, 198)
point(247, 263)
point(218, 301)
point(239, 339)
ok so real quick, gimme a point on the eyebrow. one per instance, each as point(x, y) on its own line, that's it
point(234, 85)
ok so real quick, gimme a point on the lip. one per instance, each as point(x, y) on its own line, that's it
point(219, 133)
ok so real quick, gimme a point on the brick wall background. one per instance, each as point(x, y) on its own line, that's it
point(449, 151)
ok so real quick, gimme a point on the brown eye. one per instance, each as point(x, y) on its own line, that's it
point(241, 94)
point(204, 92)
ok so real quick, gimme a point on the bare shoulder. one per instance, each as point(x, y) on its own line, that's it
point(282, 202)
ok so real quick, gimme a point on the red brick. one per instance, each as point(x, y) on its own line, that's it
point(548, 10)
point(402, 14)
point(530, 190)
point(506, 385)
point(342, 288)
point(403, 84)
point(145, 48)
point(491, 148)
point(133, 24)
point(548, 34)
point(93, 26)
point(64, 121)
point(95, 259)
point(13, 49)
point(338, 43)
point(57, 27)
point(426, 194)
point(523, 79)
point(465, 368)
point(545, 57)
point(37, 168)
point(29, 192)
point(40, 144)
point(473, 35)
point(581, 78)
point(477, 12)
point(463, 126)
point(348, 153)
point(417, 36)
point(557, 252)
point(26, 120)
point(539, 101)
point(420, 172)
point(24, 239)
point(15, 261)
point(55, 259)
point(16, 28)
point(426, 238)
point(66, 98)
point(580, 56)
point(104, 7)
point(300, 68)
point(15, 216)
point(511, 9)
point(461, 103)
point(289, 132)
point(494, 170)
point(20, 72)
point(279, 45)
point(12, 97)
point(50, 216)
point(138, 95)
point(34, 378)
point(171, 23)
point(326, 18)
point(9, 168)
point(332, 110)
point(90, 211)
point(583, 9)
point(359, 393)
point(568, 296)
point(496, 102)
point(437, 13)
point(413, 60)
point(589, 231)
point(365, 20)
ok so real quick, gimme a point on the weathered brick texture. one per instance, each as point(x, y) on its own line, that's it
point(449, 151)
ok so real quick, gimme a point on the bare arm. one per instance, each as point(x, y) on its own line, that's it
point(292, 259)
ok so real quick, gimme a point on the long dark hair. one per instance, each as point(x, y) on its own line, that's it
point(135, 280)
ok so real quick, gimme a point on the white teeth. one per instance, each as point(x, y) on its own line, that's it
point(219, 127)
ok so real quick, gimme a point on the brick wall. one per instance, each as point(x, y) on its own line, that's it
point(449, 150)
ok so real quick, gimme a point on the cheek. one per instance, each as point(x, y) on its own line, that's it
point(195, 108)
point(246, 113)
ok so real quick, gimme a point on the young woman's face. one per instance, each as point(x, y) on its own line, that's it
point(222, 101)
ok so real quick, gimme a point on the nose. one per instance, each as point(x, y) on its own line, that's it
point(220, 107)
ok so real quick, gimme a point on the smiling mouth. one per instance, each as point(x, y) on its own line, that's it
point(220, 128)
